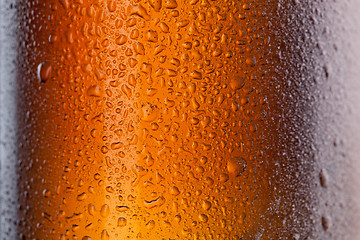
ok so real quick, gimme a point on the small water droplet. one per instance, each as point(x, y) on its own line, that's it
point(122, 208)
point(150, 113)
point(156, 4)
point(203, 218)
point(122, 222)
point(150, 225)
point(122, 39)
point(324, 178)
point(174, 191)
point(46, 193)
point(105, 211)
point(91, 209)
point(325, 222)
point(206, 205)
point(251, 61)
point(237, 83)
point(196, 75)
point(104, 235)
point(223, 177)
point(81, 196)
point(140, 11)
point(171, 4)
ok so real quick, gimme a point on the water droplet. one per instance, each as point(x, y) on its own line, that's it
point(121, 40)
point(122, 208)
point(105, 211)
point(203, 218)
point(196, 75)
point(149, 113)
point(44, 71)
point(139, 48)
point(81, 196)
point(46, 193)
point(324, 178)
point(206, 205)
point(139, 10)
point(209, 181)
point(171, 4)
point(154, 203)
point(237, 83)
point(91, 209)
point(150, 225)
point(117, 145)
point(217, 52)
point(174, 191)
point(156, 4)
point(132, 80)
point(325, 222)
point(104, 235)
point(112, 6)
point(122, 222)
point(164, 27)
point(104, 149)
point(251, 61)
point(94, 91)
point(152, 36)
point(236, 165)
point(177, 218)
point(65, 3)
point(223, 177)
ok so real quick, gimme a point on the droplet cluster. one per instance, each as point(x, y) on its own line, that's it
point(145, 119)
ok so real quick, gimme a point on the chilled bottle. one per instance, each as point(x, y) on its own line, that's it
point(161, 119)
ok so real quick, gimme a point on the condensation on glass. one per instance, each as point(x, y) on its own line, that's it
point(173, 119)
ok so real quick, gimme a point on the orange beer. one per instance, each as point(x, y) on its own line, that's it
point(147, 120)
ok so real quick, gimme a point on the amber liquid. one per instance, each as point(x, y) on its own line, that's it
point(144, 119)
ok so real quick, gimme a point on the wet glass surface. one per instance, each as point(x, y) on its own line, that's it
point(179, 119)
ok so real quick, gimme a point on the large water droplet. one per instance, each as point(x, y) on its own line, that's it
point(236, 165)
point(44, 71)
